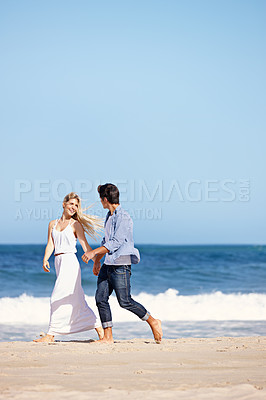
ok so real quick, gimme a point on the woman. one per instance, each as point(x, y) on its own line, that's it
point(69, 311)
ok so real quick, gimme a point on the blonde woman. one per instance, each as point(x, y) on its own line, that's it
point(69, 312)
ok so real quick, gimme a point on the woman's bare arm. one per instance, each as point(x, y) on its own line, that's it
point(49, 248)
point(79, 231)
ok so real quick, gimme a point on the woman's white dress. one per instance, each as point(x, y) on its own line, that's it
point(69, 312)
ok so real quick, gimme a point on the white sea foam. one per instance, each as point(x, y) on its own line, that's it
point(168, 306)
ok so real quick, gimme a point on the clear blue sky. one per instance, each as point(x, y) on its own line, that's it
point(164, 98)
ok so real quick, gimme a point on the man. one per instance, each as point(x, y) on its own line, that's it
point(118, 248)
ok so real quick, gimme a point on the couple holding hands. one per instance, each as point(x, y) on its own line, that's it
point(69, 311)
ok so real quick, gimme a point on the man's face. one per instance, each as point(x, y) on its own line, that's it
point(104, 202)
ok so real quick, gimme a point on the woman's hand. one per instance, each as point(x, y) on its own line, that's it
point(46, 266)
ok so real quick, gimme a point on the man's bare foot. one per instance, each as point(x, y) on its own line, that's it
point(104, 340)
point(45, 339)
point(157, 331)
point(156, 327)
point(100, 332)
point(107, 336)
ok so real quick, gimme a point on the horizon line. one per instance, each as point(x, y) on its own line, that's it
point(149, 244)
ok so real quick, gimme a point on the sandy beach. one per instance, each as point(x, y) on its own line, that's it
point(218, 368)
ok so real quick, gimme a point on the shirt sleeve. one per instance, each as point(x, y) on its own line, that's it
point(120, 234)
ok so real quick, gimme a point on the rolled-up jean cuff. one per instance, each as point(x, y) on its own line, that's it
point(108, 324)
point(146, 316)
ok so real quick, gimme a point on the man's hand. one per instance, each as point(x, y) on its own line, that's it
point(88, 256)
point(46, 266)
point(96, 268)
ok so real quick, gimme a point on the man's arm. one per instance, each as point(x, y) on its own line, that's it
point(123, 224)
point(100, 251)
point(97, 264)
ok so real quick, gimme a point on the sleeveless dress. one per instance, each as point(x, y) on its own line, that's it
point(69, 312)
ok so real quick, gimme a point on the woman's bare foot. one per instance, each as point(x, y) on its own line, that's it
point(45, 339)
point(156, 327)
point(100, 332)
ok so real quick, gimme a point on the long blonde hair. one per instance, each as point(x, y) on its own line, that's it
point(92, 224)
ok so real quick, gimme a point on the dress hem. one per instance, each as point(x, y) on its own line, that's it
point(69, 333)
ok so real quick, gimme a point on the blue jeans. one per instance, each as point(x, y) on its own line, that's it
point(117, 278)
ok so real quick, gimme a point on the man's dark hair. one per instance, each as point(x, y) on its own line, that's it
point(109, 191)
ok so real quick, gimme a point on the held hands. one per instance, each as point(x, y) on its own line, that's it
point(88, 256)
point(46, 266)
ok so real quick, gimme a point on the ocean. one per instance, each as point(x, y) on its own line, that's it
point(197, 291)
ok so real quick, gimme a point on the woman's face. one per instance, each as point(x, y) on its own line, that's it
point(71, 207)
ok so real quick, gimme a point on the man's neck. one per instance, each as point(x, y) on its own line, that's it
point(112, 207)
